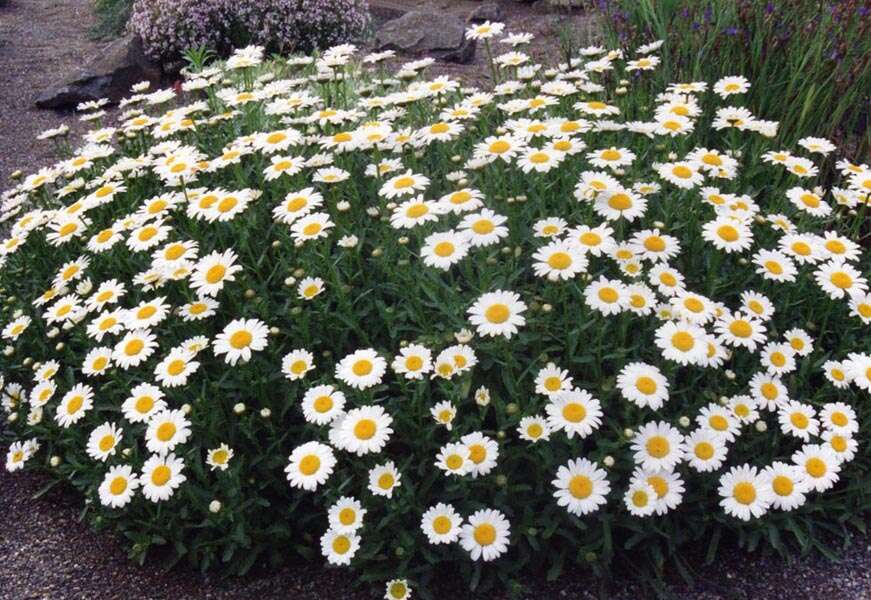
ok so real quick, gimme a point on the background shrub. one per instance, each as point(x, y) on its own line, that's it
point(169, 27)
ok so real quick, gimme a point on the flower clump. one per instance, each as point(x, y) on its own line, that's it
point(169, 27)
point(407, 322)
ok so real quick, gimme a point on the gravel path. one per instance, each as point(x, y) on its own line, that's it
point(40, 40)
point(47, 553)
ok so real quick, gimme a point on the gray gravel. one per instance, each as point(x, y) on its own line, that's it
point(45, 552)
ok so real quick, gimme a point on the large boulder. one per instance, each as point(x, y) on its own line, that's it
point(489, 11)
point(110, 74)
point(439, 35)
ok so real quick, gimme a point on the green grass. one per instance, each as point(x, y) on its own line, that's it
point(112, 18)
point(810, 64)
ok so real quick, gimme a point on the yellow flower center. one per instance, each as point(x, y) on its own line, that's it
point(441, 525)
point(683, 341)
point(118, 486)
point(581, 487)
point(608, 295)
point(106, 443)
point(161, 475)
point(134, 347)
point(744, 492)
point(483, 226)
point(559, 260)
point(553, 384)
point(740, 328)
point(166, 431)
point(657, 446)
point(454, 462)
point(694, 305)
point(477, 453)
point(654, 243)
point(640, 498)
point(840, 419)
point(176, 367)
point(682, 172)
point(838, 443)
point(774, 267)
point(718, 422)
point(146, 312)
point(323, 404)
point(815, 467)
point(365, 429)
point(416, 211)
point(497, 313)
point(444, 249)
point(312, 229)
point(460, 197)
point(810, 200)
point(362, 367)
point(347, 516)
point(620, 201)
point(67, 229)
point(778, 359)
point(241, 339)
point(295, 204)
point(227, 204)
point(704, 450)
point(144, 404)
point(574, 412)
point(485, 534)
point(799, 420)
point(215, 274)
point(728, 233)
point(769, 390)
point(646, 385)
point(309, 464)
point(782, 485)
point(198, 308)
point(841, 280)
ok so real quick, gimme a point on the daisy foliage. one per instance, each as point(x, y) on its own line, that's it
point(309, 306)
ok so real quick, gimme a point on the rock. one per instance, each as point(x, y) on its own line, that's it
point(418, 32)
point(383, 11)
point(486, 12)
point(110, 74)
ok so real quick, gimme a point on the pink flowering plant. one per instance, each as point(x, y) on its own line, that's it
point(169, 27)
